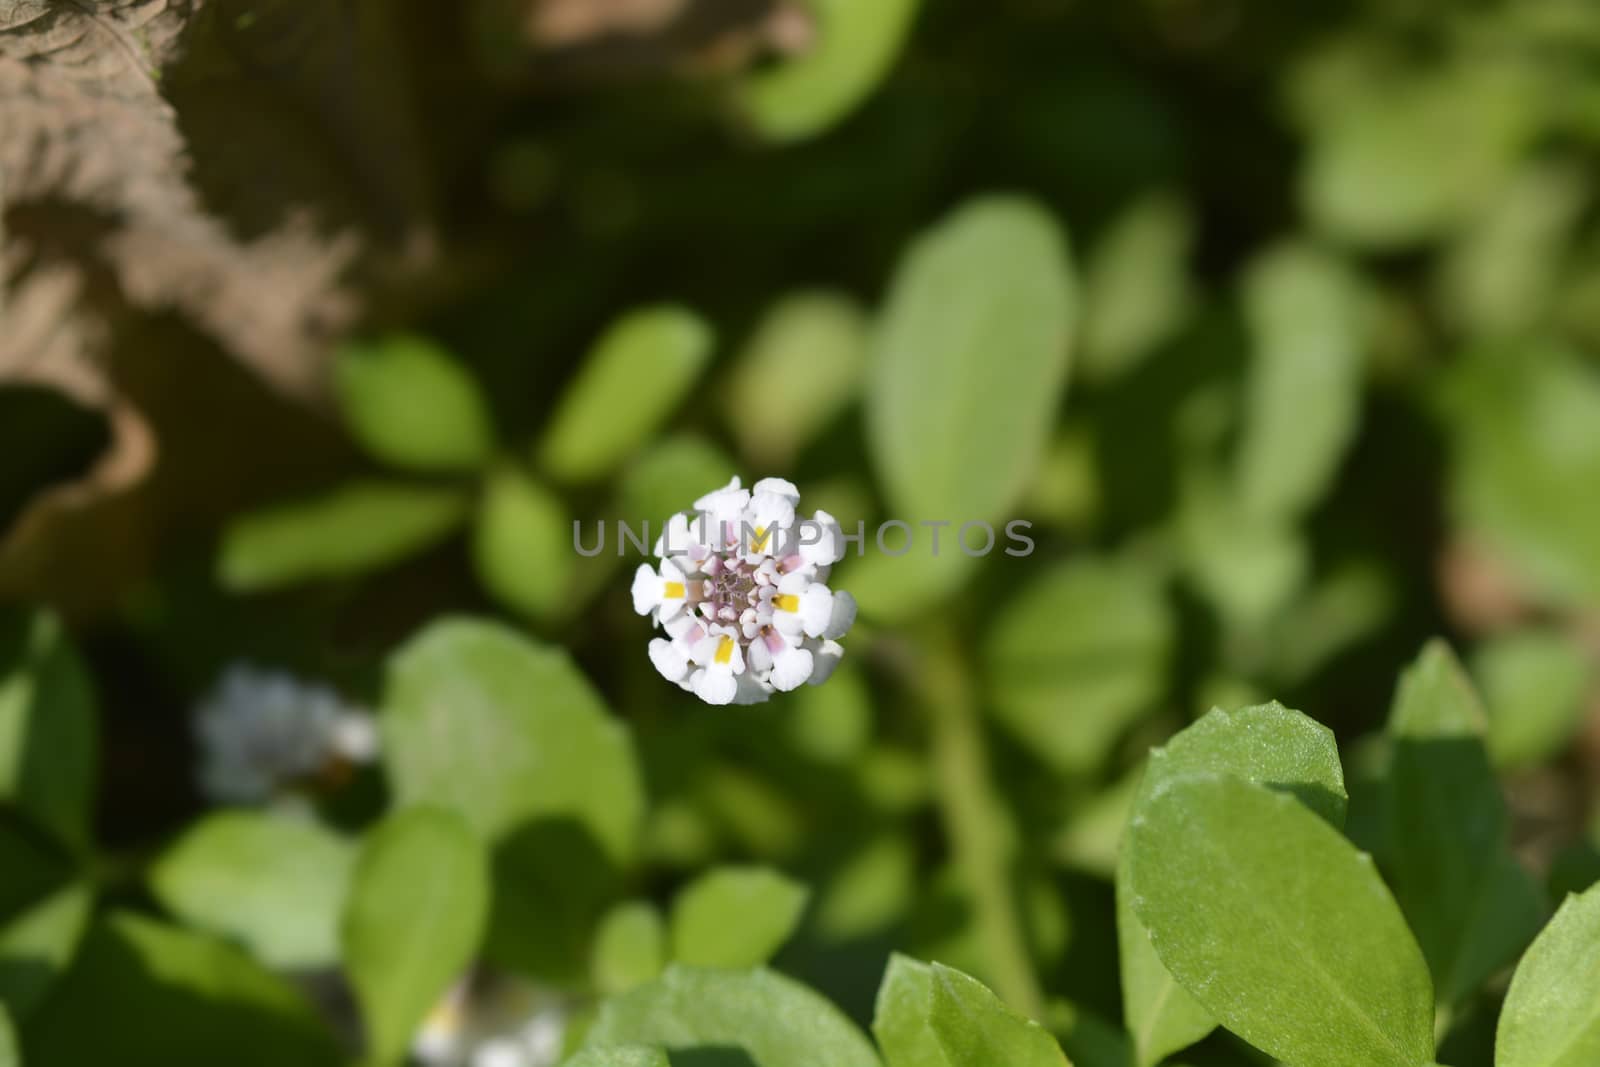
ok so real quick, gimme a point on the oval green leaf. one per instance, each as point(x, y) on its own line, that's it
point(522, 544)
point(1278, 926)
point(410, 404)
point(1551, 1016)
point(735, 917)
point(49, 735)
point(419, 902)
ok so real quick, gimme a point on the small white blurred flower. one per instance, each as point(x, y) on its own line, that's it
point(493, 1022)
point(741, 593)
point(260, 731)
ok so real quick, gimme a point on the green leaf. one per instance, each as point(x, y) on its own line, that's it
point(419, 901)
point(1270, 745)
point(1136, 287)
point(816, 89)
point(1551, 1016)
point(1278, 926)
point(1406, 159)
point(1470, 905)
point(354, 530)
point(1077, 657)
point(775, 1021)
point(37, 946)
point(1534, 684)
point(668, 479)
point(10, 1054)
point(49, 736)
point(969, 360)
point(522, 544)
point(142, 994)
point(410, 404)
point(630, 948)
point(511, 735)
point(633, 378)
point(619, 1056)
point(807, 349)
point(1302, 406)
point(735, 917)
point(1525, 426)
point(929, 1015)
point(276, 884)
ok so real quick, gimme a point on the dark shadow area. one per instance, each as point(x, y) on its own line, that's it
point(552, 882)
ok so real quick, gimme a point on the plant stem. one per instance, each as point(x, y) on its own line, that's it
point(982, 840)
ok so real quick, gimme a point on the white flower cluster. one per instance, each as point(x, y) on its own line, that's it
point(741, 591)
point(507, 1024)
point(262, 730)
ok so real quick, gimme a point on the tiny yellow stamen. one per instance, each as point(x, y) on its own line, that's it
point(786, 602)
point(674, 591)
point(725, 650)
point(760, 542)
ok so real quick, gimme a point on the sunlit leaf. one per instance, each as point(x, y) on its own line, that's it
point(419, 901)
point(1534, 683)
point(354, 530)
point(630, 947)
point(932, 1016)
point(522, 544)
point(37, 946)
point(735, 917)
point(1136, 288)
point(633, 378)
point(411, 405)
point(1551, 1016)
point(1278, 926)
point(273, 883)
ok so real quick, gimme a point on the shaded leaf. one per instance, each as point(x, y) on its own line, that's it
point(37, 946)
point(1136, 288)
point(49, 736)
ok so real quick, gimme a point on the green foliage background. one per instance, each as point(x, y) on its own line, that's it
point(1279, 323)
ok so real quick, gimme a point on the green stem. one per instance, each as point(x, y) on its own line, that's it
point(982, 840)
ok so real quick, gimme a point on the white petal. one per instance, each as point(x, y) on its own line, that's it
point(822, 542)
point(355, 737)
point(843, 617)
point(715, 687)
point(646, 589)
point(816, 609)
point(668, 659)
point(790, 669)
point(759, 659)
point(752, 690)
point(780, 486)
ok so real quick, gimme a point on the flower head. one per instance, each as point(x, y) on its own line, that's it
point(741, 594)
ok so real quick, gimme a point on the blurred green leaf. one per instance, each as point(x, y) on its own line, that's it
point(1500, 276)
point(969, 360)
point(1302, 405)
point(354, 530)
point(1525, 429)
point(1268, 744)
point(619, 1056)
point(509, 734)
point(775, 1021)
point(1551, 1016)
point(1472, 908)
point(49, 736)
point(932, 1016)
point(419, 901)
point(503, 730)
point(10, 1054)
point(636, 374)
point(857, 44)
point(630, 948)
point(142, 994)
point(411, 405)
point(1293, 941)
point(274, 883)
point(667, 479)
point(522, 544)
point(800, 367)
point(870, 891)
point(1136, 286)
point(37, 947)
point(1407, 158)
point(1076, 657)
point(1534, 684)
point(735, 917)
point(831, 724)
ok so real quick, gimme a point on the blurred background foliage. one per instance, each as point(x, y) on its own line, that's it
point(1278, 322)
